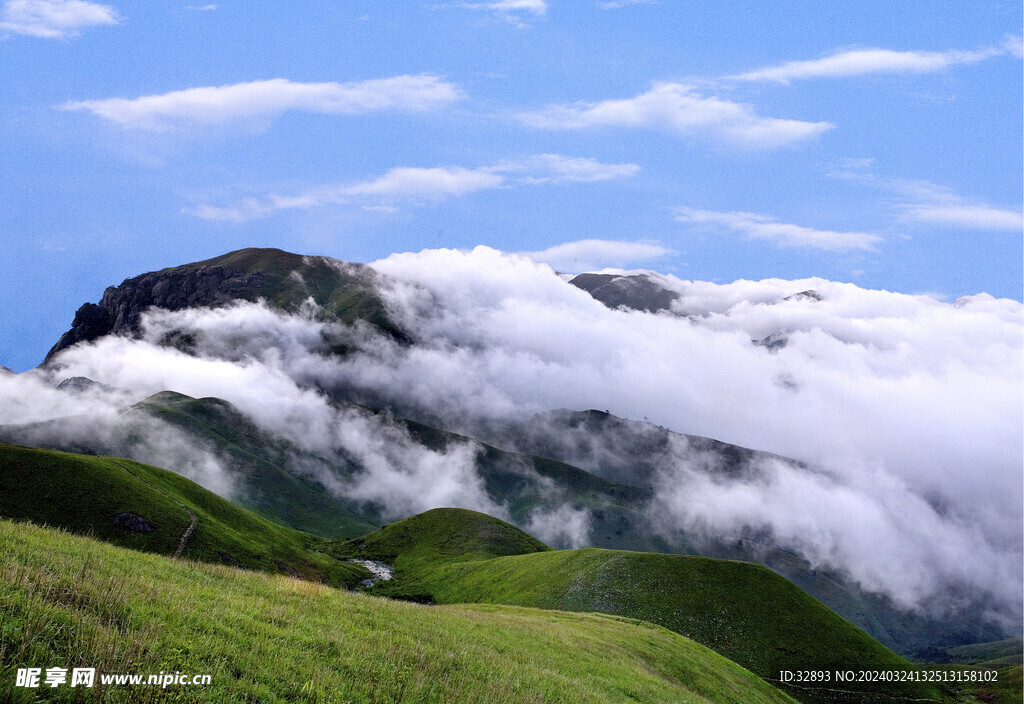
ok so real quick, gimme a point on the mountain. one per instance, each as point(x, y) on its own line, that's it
point(633, 292)
point(741, 610)
point(67, 600)
point(344, 291)
point(259, 468)
point(153, 510)
point(574, 477)
point(1008, 651)
point(262, 466)
point(649, 293)
point(150, 509)
point(421, 542)
point(642, 454)
point(278, 479)
point(626, 451)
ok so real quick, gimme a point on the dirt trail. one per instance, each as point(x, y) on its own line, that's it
point(188, 531)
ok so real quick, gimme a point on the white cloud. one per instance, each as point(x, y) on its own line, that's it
point(513, 11)
point(402, 183)
point(566, 526)
point(910, 406)
point(677, 108)
point(975, 217)
point(931, 204)
point(590, 255)
point(54, 19)
point(202, 8)
point(242, 211)
point(936, 205)
point(555, 168)
point(537, 7)
point(615, 4)
point(438, 182)
point(417, 184)
point(763, 227)
point(262, 101)
point(908, 409)
point(859, 62)
point(1014, 46)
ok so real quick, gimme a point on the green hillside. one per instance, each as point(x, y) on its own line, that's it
point(635, 453)
point(420, 543)
point(86, 495)
point(272, 475)
point(70, 601)
point(1001, 652)
point(520, 482)
point(260, 466)
point(741, 610)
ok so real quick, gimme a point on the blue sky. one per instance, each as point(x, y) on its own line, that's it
point(879, 145)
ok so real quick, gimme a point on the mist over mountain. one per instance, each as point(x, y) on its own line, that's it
point(881, 442)
point(287, 281)
point(634, 292)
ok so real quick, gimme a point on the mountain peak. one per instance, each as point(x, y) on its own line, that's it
point(284, 280)
point(631, 291)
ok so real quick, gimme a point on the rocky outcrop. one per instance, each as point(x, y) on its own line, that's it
point(82, 384)
point(808, 295)
point(133, 523)
point(121, 307)
point(634, 292)
point(346, 291)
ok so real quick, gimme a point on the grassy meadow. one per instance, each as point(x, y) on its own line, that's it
point(71, 601)
point(742, 610)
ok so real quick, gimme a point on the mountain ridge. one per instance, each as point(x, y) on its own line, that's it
point(342, 289)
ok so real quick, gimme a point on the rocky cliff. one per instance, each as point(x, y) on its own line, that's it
point(345, 291)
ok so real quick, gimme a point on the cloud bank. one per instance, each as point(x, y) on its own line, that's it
point(90, 419)
point(244, 355)
point(262, 101)
point(910, 408)
point(906, 411)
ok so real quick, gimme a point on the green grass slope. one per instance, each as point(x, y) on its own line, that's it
point(741, 610)
point(1001, 652)
point(634, 452)
point(1007, 688)
point(520, 482)
point(69, 601)
point(84, 494)
point(417, 544)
